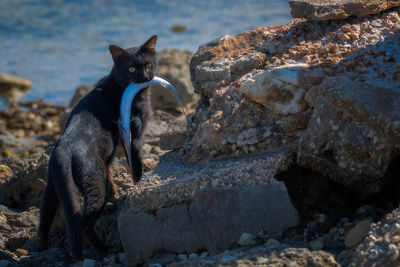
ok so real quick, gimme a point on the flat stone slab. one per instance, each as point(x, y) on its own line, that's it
point(214, 221)
point(174, 182)
point(338, 9)
point(183, 208)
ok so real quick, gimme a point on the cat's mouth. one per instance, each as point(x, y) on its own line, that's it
point(125, 110)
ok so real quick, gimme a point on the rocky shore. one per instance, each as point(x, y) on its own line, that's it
point(290, 156)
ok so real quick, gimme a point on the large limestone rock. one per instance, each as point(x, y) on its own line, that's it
point(12, 87)
point(328, 88)
point(279, 89)
point(338, 9)
point(181, 207)
point(173, 65)
point(353, 133)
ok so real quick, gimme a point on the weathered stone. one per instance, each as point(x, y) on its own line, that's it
point(172, 141)
point(163, 123)
point(173, 182)
point(89, 263)
point(17, 227)
point(207, 76)
point(209, 201)
point(338, 9)
point(5, 172)
point(173, 65)
point(142, 234)
point(149, 164)
point(381, 246)
point(25, 188)
point(357, 233)
point(351, 137)
point(247, 239)
point(271, 242)
point(265, 107)
point(279, 255)
point(15, 164)
point(214, 220)
point(221, 216)
point(12, 87)
point(277, 89)
point(12, 146)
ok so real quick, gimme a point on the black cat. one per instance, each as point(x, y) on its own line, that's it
point(82, 157)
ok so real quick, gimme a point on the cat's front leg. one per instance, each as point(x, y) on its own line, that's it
point(137, 163)
point(136, 148)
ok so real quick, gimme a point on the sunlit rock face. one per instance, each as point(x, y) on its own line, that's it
point(338, 9)
point(329, 89)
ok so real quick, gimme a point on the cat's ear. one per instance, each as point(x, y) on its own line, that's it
point(150, 45)
point(116, 52)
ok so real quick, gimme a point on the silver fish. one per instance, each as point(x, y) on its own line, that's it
point(125, 109)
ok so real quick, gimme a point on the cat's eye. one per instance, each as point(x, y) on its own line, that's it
point(132, 69)
point(148, 66)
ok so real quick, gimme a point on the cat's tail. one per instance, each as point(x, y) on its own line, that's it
point(68, 196)
point(48, 210)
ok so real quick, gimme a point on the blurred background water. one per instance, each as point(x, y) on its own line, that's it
point(60, 44)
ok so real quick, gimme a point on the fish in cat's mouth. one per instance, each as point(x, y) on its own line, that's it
point(125, 110)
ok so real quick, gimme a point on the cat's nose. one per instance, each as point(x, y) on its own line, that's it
point(146, 78)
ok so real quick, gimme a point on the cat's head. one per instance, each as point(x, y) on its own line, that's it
point(136, 64)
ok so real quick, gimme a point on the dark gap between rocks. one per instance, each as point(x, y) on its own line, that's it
point(312, 193)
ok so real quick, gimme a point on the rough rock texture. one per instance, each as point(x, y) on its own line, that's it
point(173, 65)
point(338, 9)
point(382, 244)
point(352, 135)
point(16, 229)
point(12, 87)
point(5, 172)
point(24, 189)
point(31, 118)
point(209, 201)
point(172, 141)
point(329, 87)
point(276, 256)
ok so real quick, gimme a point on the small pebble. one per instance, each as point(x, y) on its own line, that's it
point(316, 245)
point(182, 257)
point(21, 252)
point(204, 254)
point(193, 256)
point(89, 263)
point(271, 242)
point(247, 239)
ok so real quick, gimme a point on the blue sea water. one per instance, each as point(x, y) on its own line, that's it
point(60, 44)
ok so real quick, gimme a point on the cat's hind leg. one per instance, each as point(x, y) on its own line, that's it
point(94, 196)
point(69, 197)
